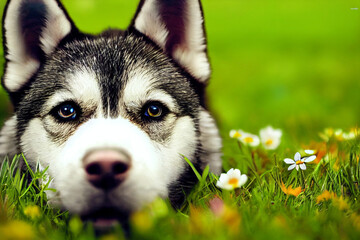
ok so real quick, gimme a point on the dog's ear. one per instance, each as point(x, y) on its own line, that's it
point(32, 29)
point(177, 26)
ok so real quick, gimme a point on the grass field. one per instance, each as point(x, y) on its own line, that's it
point(294, 65)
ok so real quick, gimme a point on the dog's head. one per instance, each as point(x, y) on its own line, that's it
point(110, 115)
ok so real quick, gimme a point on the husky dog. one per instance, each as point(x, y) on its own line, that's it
point(111, 115)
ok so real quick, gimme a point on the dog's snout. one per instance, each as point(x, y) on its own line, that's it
point(106, 168)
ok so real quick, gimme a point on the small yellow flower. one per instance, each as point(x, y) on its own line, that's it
point(327, 134)
point(18, 230)
point(339, 134)
point(325, 196)
point(142, 221)
point(32, 211)
point(336, 165)
point(340, 203)
point(291, 191)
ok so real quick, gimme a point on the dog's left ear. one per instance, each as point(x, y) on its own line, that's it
point(32, 30)
point(177, 26)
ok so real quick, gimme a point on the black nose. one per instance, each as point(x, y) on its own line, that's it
point(106, 169)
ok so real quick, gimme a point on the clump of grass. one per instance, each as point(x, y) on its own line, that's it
point(275, 203)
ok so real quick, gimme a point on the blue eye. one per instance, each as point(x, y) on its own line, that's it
point(67, 112)
point(153, 111)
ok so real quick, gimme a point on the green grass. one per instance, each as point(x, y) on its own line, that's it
point(291, 64)
point(258, 210)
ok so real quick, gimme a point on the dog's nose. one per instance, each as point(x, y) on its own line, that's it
point(106, 168)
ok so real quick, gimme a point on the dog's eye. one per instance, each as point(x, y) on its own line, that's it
point(66, 111)
point(154, 111)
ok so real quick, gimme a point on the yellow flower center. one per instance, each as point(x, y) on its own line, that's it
point(299, 162)
point(233, 182)
point(248, 140)
point(269, 142)
point(32, 211)
point(237, 135)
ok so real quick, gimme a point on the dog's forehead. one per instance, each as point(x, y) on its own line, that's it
point(115, 69)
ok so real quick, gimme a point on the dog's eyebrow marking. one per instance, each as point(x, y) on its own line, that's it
point(164, 97)
point(141, 89)
point(137, 88)
point(55, 100)
point(81, 87)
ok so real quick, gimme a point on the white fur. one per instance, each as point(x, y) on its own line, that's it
point(138, 86)
point(211, 142)
point(146, 179)
point(57, 26)
point(149, 22)
point(36, 145)
point(182, 142)
point(8, 138)
point(22, 66)
point(140, 89)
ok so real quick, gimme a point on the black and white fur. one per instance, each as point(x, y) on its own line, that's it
point(110, 79)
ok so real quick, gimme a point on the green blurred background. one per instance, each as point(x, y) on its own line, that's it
point(294, 64)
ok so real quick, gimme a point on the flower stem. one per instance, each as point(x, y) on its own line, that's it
point(226, 196)
point(253, 160)
point(302, 179)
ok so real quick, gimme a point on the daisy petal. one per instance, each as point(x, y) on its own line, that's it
point(297, 156)
point(289, 161)
point(297, 167)
point(223, 178)
point(236, 173)
point(230, 172)
point(310, 159)
point(232, 133)
point(291, 167)
point(243, 179)
point(308, 151)
point(219, 184)
point(303, 166)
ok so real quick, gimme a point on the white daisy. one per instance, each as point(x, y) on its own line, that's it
point(349, 136)
point(298, 161)
point(270, 137)
point(231, 180)
point(250, 139)
point(236, 133)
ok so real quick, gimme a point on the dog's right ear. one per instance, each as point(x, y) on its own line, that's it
point(32, 29)
point(177, 27)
